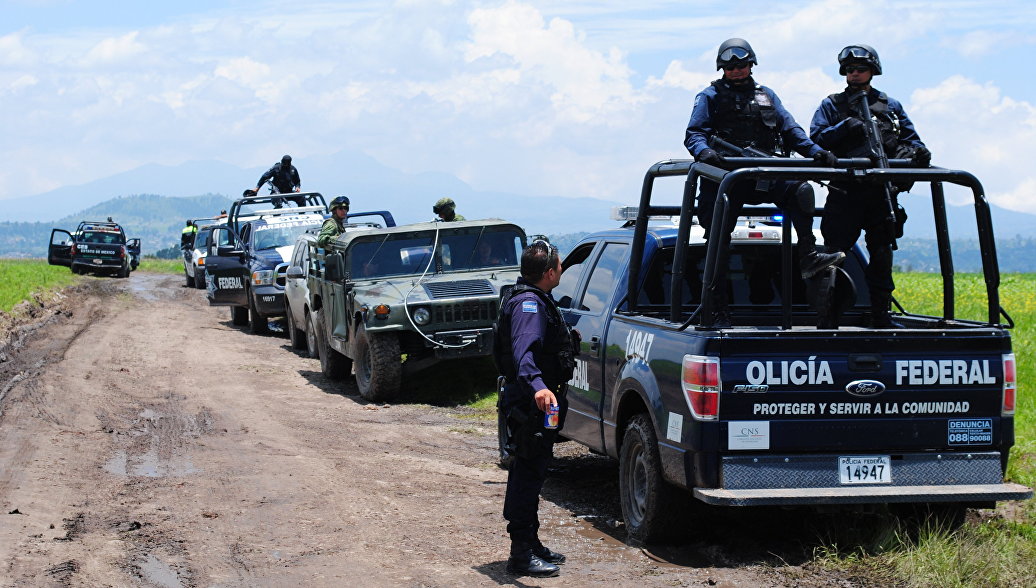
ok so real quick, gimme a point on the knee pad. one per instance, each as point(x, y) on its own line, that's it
point(805, 198)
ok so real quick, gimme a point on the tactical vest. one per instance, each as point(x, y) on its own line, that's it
point(557, 341)
point(747, 118)
point(888, 124)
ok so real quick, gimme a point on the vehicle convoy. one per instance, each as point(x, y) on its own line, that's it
point(194, 258)
point(427, 292)
point(242, 255)
point(798, 401)
point(95, 247)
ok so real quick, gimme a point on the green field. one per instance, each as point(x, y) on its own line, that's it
point(153, 265)
point(21, 278)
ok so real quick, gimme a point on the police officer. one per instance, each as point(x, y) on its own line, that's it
point(742, 112)
point(334, 226)
point(283, 176)
point(853, 207)
point(446, 210)
point(187, 236)
point(534, 351)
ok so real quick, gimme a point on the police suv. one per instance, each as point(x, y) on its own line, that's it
point(95, 247)
point(797, 401)
point(242, 256)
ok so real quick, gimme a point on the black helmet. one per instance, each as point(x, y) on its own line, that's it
point(286, 160)
point(339, 202)
point(859, 53)
point(734, 50)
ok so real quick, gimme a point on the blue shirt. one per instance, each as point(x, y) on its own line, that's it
point(828, 125)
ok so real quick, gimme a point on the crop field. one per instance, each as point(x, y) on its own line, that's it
point(154, 265)
point(21, 278)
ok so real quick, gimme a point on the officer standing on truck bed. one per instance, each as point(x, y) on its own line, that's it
point(334, 226)
point(740, 111)
point(853, 207)
point(534, 351)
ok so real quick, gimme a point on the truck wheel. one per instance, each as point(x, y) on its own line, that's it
point(238, 315)
point(334, 365)
point(648, 502)
point(188, 279)
point(295, 335)
point(257, 323)
point(199, 278)
point(124, 272)
point(311, 338)
point(379, 369)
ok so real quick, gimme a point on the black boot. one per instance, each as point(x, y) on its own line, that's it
point(881, 319)
point(548, 556)
point(528, 564)
point(813, 262)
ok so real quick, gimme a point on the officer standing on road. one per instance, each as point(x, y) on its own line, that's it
point(853, 207)
point(534, 351)
point(283, 176)
point(334, 226)
point(446, 210)
point(740, 111)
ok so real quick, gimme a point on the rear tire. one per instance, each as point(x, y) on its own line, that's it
point(295, 335)
point(379, 373)
point(199, 278)
point(188, 279)
point(334, 365)
point(257, 323)
point(651, 507)
point(312, 349)
point(238, 315)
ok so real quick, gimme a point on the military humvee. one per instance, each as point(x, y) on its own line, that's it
point(396, 300)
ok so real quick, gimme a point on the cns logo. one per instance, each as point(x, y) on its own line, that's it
point(865, 388)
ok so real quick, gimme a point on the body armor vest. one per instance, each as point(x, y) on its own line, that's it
point(746, 117)
point(557, 341)
point(888, 124)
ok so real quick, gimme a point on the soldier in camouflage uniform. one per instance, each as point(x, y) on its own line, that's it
point(446, 210)
point(334, 226)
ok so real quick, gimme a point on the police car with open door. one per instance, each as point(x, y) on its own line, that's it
point(242, 255)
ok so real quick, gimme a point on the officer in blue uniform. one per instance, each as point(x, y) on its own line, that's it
point(739, 110)
point(853, 207)
point(534, 350)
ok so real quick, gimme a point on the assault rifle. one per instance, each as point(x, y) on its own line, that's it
point(877, 151)
point(719, 144)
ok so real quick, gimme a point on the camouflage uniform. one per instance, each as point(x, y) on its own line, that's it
point(329, 231)
point(442, 206)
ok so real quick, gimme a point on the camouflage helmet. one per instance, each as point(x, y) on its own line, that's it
point(339, 202)
point(442, 204)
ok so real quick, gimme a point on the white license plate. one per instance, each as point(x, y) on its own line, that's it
point(98, 261)
point(865, 469)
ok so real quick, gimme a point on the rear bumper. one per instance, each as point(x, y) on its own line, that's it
point(814, 479)
point(94, 264)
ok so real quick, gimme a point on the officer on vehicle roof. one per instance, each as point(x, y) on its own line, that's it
point(534, 350)
point(853, 207)
point(446, 210)
point(334, 226)
point(739, 110)
point(283, 178)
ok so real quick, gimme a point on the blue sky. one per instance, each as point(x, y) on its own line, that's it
point(566, 97)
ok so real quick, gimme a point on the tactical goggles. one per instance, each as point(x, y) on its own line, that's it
point(854, 52)
point(733, 53)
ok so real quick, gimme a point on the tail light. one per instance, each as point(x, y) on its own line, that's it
point(75, 249)
point(701, 386)
point(1007, 408)
point(122, 252)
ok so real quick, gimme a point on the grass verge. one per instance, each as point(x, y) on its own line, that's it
point(24, 279)
point(154, 265)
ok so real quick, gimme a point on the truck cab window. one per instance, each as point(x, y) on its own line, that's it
point(604, 277)
point(573, 270)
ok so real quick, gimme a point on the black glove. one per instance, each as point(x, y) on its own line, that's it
point(826, 158)
point(853, 127)
point(922, 157)
point(710, 157)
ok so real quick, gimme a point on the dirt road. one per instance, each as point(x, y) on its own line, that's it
point(145, 441)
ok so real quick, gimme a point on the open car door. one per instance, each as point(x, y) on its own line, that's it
point(60, 250)
point(225, 269)
point(133, 247)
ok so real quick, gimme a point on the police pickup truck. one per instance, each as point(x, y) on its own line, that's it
point(798, 402)
point(95, 247)
point(425, 292)
point(243, 254)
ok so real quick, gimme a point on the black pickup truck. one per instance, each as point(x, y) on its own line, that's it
point(785, 406)
point(95, 247)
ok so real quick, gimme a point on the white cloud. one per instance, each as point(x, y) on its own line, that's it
point(114, 49)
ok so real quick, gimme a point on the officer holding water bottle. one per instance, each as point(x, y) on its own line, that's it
point(534, 351)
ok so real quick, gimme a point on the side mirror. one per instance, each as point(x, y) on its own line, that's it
point(227, 251)
point(334, 267)
point(295, 272)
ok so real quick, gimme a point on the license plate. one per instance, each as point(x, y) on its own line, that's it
point(865, 469)
point(98, 261)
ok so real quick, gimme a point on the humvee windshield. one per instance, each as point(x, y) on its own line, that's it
point(469, 248)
